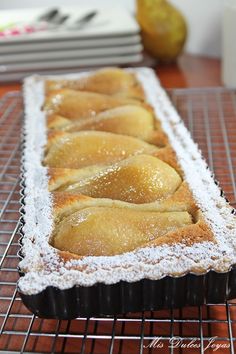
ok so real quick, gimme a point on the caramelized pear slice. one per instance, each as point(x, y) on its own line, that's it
point(104, 231)
point(82, 149)
point(78, 104)
point(128, 120)
point(111, 81)
point(138, 179)
point(55, 121)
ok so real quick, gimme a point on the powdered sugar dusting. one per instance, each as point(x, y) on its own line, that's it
point(206, 193)
point(151, 263)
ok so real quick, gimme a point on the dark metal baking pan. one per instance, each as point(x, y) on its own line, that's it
point(122, 297)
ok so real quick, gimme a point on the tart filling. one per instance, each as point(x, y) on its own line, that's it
point(115, 187)
point(137, 179)
point(77, 105)
point(111, 81)
point(75, 150)
point(127, 120)
point(98, 231)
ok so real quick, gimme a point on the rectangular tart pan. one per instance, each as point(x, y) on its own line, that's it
point(122, 297)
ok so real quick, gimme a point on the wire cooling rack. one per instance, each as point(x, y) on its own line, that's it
point(210, 114)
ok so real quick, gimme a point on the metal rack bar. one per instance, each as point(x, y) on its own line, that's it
point(230, 329)
point(210, 114)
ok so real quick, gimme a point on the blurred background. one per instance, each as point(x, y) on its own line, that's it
point(203, 17)
point(97, 33)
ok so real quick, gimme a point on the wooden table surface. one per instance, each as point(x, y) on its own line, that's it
point(189, 71)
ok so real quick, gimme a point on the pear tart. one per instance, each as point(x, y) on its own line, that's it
point(116, 190)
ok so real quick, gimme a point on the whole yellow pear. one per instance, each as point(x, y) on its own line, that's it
point(163, 27)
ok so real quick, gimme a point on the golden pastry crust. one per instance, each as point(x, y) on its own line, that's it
point(189, 235)
point(168, 155)
point(158, 137)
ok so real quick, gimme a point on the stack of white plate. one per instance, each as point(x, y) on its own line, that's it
point(110, 38)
